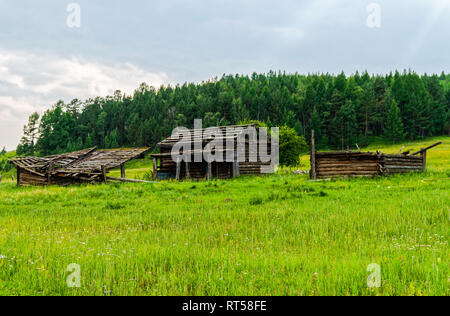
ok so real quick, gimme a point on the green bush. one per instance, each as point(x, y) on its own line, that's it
point(5, 166)
point(291, 146)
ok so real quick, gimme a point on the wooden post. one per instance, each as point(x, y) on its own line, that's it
point(18, 176)
point(178, 169)
point(122, 171)
point(155, 168)
point(209, 173)
point(313, 156)
point(424, 157)
point(0, 178)
point(104, 173)
point(50, 171)
point(188, 172)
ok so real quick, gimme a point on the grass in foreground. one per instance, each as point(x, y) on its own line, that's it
point(274, 235)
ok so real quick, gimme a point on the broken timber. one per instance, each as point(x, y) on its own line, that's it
point(85, 166)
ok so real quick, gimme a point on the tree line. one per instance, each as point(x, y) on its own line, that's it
point(343, 110)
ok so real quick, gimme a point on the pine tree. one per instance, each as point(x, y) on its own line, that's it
point(394, 126)
point(316, 125)
point(346, 119)
point(30, 136)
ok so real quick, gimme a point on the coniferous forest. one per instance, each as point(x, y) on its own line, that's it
point(343, 110)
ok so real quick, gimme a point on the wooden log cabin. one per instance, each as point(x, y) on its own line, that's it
point(165, 167)
point(86, 166)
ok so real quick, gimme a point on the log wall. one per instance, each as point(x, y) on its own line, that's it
point(357, 164)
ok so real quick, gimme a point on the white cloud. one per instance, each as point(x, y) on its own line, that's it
point(31, 82)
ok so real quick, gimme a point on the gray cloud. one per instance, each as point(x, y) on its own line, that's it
point(120, 43)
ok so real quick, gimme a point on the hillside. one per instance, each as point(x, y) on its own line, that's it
point(274, 235)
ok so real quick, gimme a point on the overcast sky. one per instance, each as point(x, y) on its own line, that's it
point(121, 44)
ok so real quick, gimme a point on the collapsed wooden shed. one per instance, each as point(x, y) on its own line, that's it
point(365, 164)
point(165, 167)
point(85, 166)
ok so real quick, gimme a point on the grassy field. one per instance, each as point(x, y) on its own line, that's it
point(275, 235)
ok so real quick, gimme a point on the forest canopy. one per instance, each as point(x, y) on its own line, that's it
point(343, 110)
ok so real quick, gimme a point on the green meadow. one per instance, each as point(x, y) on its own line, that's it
point(279, 234)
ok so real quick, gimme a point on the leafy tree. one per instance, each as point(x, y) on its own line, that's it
point(57, 129)
point(291, 146)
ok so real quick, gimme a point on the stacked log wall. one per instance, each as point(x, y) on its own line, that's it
point(330, 165)
point(356, 164)
point(393, 164)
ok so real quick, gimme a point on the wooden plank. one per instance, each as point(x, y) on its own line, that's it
point(403, 167)
point(424, 156)
point(104, 174)
point(373, 169)
point(178, 175)
point(188, 172)
point(353, 172)
point(122, 171)
point(209, 171)
point(236, 169)
point(51, 167)
point(341, 165)
point(425, 149)
point(129, 180)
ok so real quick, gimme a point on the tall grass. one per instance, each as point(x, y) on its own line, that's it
point(275, 235)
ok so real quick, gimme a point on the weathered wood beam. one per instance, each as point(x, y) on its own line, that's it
point(188, 172)
point(178, 175)
point(129, 180)
point(122, 171)
point(424, 156)
point(104, 173)
point(51, 167)
point(236, 170)
point(209, 171)
point(155, 168)
point(425, 149)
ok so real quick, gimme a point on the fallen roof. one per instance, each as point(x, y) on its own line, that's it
point(85, 164)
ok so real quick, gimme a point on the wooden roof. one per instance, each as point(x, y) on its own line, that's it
point(86, 162)
point(198, 134)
